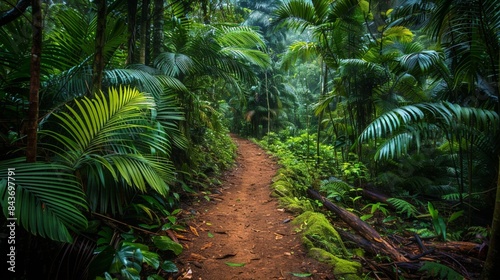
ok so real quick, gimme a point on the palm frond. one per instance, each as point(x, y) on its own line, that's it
point(299, 50)
point(445, 115)
point(296, 14)
point(114, 132)
point(173, 64)
point(48, 198)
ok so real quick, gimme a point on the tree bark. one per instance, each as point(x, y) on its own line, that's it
point(100, 40)
point(143, 46)
point(15, 12)
point(36, 52)
point(158, 24)
point(132, 14)
point(491, 267)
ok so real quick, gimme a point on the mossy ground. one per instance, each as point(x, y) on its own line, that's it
point(318, 235)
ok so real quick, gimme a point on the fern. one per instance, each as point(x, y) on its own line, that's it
point(456, 196)
point(403, 206)
point(440, 271)
point(335, 189)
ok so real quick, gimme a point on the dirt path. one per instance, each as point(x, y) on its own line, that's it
point(242, 233)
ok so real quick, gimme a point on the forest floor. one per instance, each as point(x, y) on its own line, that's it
point(240, 232)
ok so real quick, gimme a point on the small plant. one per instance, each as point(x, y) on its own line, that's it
point(440, 271)
point(121, 256)
point(403, 206)
point(380, 207)
point(354, 172)
point(439, 223)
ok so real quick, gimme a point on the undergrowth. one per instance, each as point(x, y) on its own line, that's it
point(342, 182)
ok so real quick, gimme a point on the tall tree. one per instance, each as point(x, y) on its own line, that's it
point(36, 53)
point(144, 34)
point(132, 30)
point(100, 41)
point(158, 24)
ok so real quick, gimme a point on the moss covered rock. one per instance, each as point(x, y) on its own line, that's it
point(325, 244)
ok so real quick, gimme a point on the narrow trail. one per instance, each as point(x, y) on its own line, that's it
point(241, 233)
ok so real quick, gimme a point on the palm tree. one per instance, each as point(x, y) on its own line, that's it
point(200, 56)
point(104, 150)
point(469, 33)
point(335, 32)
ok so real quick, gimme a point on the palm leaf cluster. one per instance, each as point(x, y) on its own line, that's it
point(48, 200)
point(104, 150)
point(401, 125)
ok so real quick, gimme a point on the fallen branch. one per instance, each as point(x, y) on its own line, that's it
point(362, 228)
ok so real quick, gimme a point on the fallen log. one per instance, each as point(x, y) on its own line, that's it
point(362, 228)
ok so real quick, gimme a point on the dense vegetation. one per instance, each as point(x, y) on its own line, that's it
point(115, 111)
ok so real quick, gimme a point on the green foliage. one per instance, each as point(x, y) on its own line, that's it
point(211, 153)
point(46, 198)
point(151, 212)
point(354, 172)
point(374, 207)
point(298, 152)
point(403, 206)
point(400, 124)
point(440, 271)
point(119, 255)
point(439, 223)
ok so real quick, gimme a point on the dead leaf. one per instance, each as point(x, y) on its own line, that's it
point(194, 231)
point(182, 237)
point(206, 246)
point(225, 256)
point(187, 275)
point(198, 257)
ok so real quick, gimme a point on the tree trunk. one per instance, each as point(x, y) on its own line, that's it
point(324, 89)
point(268, 105)
point(158, 25)
point(36, 52)
point(100, 39)
point(491, 267)
point(132, 14)
point(144, 31)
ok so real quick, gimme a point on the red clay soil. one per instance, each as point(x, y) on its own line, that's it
point(242, 233)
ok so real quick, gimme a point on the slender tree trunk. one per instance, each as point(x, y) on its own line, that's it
point(491, 268)
point(132, 14)
point(158, 24)
point(204, 9)
point(144, 31)
point(268, 106)
point(324, 89)
point(36, 52)
point(100, 39)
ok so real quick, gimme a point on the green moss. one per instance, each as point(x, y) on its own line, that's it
point(342, 269)
point(325, 244)
point(295, 205)
point(319, 233)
